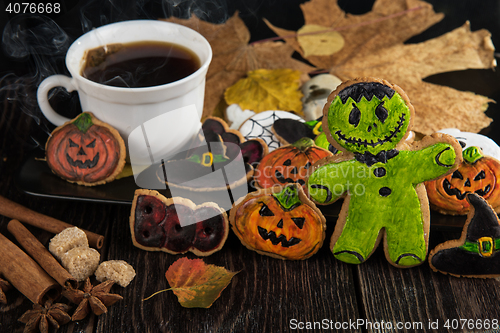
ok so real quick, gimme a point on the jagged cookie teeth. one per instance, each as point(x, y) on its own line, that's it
point(484, 191)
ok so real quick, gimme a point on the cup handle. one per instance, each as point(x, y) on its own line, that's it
point(43, 100)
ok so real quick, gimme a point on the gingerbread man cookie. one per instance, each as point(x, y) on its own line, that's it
point(369, 120)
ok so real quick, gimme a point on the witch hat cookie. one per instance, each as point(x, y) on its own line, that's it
point(477, 252)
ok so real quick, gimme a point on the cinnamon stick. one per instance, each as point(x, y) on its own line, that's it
point(24, 274)
point(16, 211)
point(41, 255)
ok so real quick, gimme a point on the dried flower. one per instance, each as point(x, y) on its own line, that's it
point(41, 317)
point(95, 299)
point(4, 286)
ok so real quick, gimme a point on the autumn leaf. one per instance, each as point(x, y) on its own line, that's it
point(196, 284)
point(376, 48)
point(233, 56)
point(315, 40)
point(264, 89)
point(366, 33)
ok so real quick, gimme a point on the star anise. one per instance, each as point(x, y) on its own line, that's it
point(92, 298)
point(41, 317)
point(4, 286)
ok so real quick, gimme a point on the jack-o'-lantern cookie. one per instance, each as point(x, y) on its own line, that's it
point(86, 151)
point(176, 225)
point(477, 252)
point(477, 173)
point(288, 164)
point(369, 120)
point(280, 222)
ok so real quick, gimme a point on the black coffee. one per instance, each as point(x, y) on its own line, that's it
point(139, 64)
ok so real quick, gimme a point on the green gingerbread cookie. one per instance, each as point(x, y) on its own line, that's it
point(379, 175)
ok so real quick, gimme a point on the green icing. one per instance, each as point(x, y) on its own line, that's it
point(206, 160)
point(303, 143)
point(382, 196)
point(321, 141)
point(83, 122)
point(288, 197)
point(311, 123)
point(472, 154)
point(368, 131)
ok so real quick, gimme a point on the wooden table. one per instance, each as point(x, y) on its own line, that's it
point(268, 295)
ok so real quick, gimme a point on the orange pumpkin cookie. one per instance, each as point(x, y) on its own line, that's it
point(176, 225)
point(86, 151)
point(288, 164)
point(280, 222)
point(477, 173)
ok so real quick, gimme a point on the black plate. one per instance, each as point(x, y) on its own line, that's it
point(35, 178)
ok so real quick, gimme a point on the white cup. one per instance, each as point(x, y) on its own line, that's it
point(127, 109)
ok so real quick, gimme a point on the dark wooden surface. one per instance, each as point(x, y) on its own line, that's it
point(268, 295)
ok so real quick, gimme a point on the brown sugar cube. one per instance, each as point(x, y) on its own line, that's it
point(117, 270)
point(66, 240)
point(81, 262)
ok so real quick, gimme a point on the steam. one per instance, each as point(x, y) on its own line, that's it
point(41, 44)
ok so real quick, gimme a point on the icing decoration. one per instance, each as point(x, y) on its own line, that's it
point(223, 146)
point(288, 164)
point(468, 139)
point(236, 116)
point(290, 130)
point(368, 119)
point(86, 151)
point(155, 224)
point(478, 174)
point(280, 222)
point(260, 126)
point(316, 92)
point(476, 253)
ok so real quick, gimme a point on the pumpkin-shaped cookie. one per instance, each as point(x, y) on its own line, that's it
point(86, 151)
point(280, 222)
point(477, 173)
point(288, 164)
point(176, 225)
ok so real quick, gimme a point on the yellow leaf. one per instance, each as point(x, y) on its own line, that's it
point(264, 89)
point(317, 40)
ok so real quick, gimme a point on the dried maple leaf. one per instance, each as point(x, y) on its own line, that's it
point(91, 298)
point(263, 89)
point(376, 49)
point(233, 57)
point(314, 40)
point(196, 284)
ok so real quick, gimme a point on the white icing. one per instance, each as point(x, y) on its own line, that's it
point(236, 116)
point(487, 145)
point(316, 92)
point(259, 126)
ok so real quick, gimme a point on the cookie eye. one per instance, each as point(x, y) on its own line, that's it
point(457, 174)
point(462, 144)
point(481, 175)
point(92, 144)
point(381, 112)
point(265, 211)
point(72, 144)
point(354, 116)
point(299, 221)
